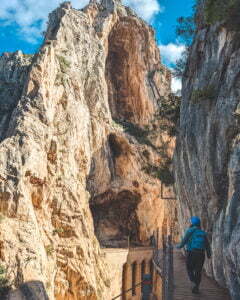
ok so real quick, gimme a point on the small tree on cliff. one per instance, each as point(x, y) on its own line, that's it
point(227, 11)
point(185, 30)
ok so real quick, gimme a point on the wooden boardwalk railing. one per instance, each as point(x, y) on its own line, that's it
point(163, 264)
point(170, 265)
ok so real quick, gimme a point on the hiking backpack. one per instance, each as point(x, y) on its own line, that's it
point(198, 239)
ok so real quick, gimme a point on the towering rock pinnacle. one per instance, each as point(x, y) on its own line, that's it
point(72, 179)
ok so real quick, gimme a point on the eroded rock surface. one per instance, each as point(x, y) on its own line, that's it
point(13, 72)
point(61, 151)
point(207, 153)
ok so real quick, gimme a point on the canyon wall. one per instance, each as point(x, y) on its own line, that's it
point(208, 151)
point(84, 147)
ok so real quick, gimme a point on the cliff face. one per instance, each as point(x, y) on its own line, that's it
point(207, 153)
point(14, 69)
point(66, 165)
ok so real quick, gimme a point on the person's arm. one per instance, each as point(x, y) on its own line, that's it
point(185, 239)
point(208, 248)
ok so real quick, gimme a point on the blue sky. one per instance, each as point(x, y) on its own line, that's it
point(23, 21)
point(165, 21)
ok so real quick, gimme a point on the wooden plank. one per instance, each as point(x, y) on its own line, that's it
point(209, 290)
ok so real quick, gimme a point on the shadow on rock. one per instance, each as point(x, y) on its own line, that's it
point(32, 290)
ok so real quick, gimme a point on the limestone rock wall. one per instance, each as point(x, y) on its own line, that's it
point(61, 153)
point(207, 152)
point(47, 231)
point(13, 71)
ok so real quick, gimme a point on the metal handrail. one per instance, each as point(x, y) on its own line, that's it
point(127, 291)
point(156, 262)
point(164, 267)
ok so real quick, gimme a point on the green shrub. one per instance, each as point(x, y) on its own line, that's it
point(169, 108)
point(116, 125)
point(49, 250)
point(64, 64)
point(163, 173)
point(140, 134)
point(170, 129)
point(186, 29)
point(181, 63)
point(58, 231)
point(207, 93)
point(227, 11)
point(168, 114)
point(61, 79)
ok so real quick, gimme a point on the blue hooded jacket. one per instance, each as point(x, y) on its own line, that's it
point(195, 239)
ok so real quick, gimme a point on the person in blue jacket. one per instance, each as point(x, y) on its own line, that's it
point(146, 287)
point(196, 242)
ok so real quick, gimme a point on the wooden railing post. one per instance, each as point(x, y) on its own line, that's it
point(163, 264)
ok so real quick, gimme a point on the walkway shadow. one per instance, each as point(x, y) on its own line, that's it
point(32, 290)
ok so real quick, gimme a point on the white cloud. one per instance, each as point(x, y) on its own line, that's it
point(176, 85)
point(144, 8)
point(171, 52)
point(30, 15)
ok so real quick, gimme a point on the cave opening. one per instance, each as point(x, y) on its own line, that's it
point(115, 218)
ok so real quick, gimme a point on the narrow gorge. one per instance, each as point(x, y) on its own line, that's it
point(97, 153)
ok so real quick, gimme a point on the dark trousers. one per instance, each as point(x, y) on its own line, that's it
point(195, 262)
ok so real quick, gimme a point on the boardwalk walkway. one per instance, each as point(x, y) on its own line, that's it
point(209, 289)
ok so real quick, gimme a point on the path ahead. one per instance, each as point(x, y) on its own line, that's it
point(209, 289)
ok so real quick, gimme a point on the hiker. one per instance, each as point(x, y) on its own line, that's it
point(197, 243)
point(153, 241)
point(146, 287)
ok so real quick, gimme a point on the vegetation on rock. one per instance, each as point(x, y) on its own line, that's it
point(227, 11)
point(58, 230)
point(169, 112)
point(140, 134)
point(4, 282)
point(49, 250)
point(64, 64)
point(165, 120)
point(162, 172)
point(180, 66)
point(185, 30)
point(207, 93)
